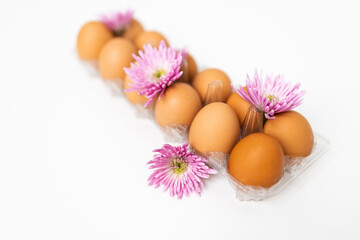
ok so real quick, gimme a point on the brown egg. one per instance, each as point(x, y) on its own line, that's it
point(91, 38)
point(189, 69)
point(202, 80)
point(133, 97)
point(133, 30)
point(192, 67)
point(257, 160)
point(149, 37)
point(115, 55)
point(293, 132)
point(179, 105)
point(239, 105)
point(214, 129)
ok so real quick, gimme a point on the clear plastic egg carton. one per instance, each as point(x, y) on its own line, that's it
point(293, 168)
point(178, 134)
point(92, 70)
point(90, 66)
point(173, 133)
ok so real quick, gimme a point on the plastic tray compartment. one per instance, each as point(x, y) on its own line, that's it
point(293, 168)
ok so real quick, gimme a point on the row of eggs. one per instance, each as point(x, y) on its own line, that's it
point(257, 159)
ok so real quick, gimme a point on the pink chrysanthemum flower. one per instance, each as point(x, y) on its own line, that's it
point(117, 22)
point(178, 170)
point(272, 96)
point(183, 53)
point(155, 70)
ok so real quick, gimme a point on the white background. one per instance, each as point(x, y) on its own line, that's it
point(72, 156)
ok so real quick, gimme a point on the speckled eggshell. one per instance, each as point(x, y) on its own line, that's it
point(293, 132)
point(214, 129)
point(179, 105)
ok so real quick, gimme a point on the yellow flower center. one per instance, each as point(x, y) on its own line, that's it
point(178, 165)
point(272, 98)
point(159, 73)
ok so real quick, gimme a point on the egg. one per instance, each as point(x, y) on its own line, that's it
point(91, 38)
point(204, 78)
point(178, 105)
point(257, 160)
point(214, 129)
point(239, 105)
point(133, 96)
point(189, 68)
point(134, 30)
point(149, 37)
point(192, 67)
point(115, 55)
point(293, 132)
